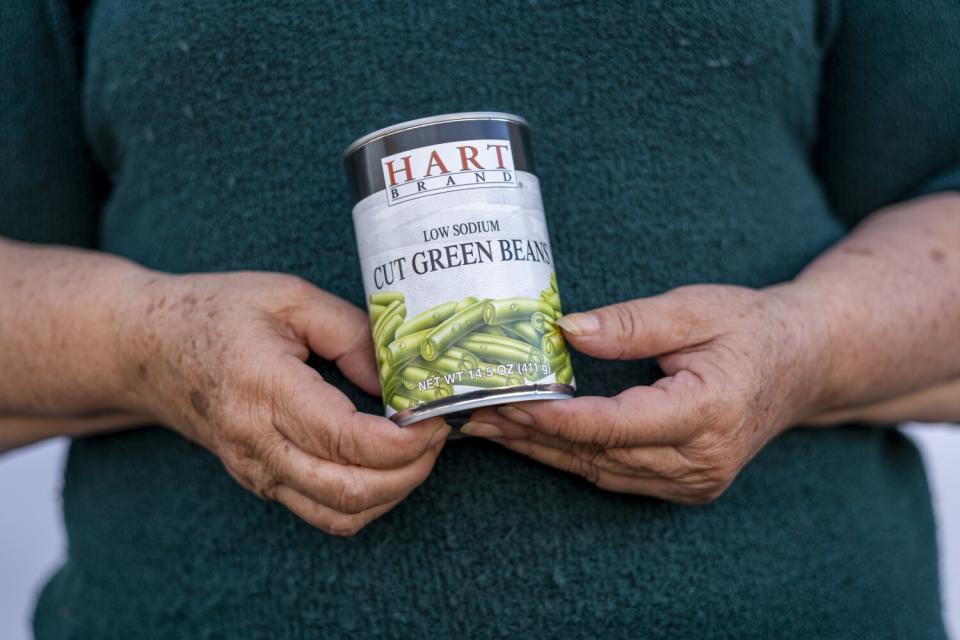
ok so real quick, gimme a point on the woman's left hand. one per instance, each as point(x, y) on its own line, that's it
point(741, 366)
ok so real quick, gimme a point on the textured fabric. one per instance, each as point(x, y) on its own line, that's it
point(676, 143)
point(48, 183)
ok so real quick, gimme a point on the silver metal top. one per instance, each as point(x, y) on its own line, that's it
point(423, 122)
point(483, 398)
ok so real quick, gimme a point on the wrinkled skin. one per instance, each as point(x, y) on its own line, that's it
point(738, 371)
point(221, 359)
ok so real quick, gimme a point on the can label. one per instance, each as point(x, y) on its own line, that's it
point(459, 275)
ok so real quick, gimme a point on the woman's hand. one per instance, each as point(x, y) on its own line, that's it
point(740, 367)
point(221, 359)
point(868, 330)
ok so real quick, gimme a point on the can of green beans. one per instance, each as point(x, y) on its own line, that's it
point(457, 266)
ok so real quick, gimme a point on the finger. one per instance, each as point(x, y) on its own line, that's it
point(327, 519)
point(635, 461)
point(347, 488)
point(640, 328)
point(602, 478)
point(339, 331)
point(668, 412)
point(319, 419)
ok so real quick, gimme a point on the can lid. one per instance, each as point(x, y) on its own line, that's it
point(423, 122)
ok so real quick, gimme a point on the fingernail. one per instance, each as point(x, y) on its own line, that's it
point(512, 413)
point(481, 430)
point(579, 324)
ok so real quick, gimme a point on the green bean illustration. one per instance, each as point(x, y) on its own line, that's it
point(405, 348)
point(385, 370)
point(513, 309)
point(428, 319)
point(441, 366)
point(450, 330)
point(379, 321)
point(412, 375)
point(469, 301)
point(445, 364)
point(552, 298)
point(503, 340)
point(553, 280)
point(465, 359)
point(542, 322)
point(375, 310)
point(502, 350)
point(553, 343)
point(386, 297)
point(387, 331)
point(491, 330)
point(400, 401)
point(559, 360)
point(394, 309)
point(390, 387)
point(524, 331)
point(464, 337)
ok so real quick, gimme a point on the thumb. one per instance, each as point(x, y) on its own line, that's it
point(641, 328)
point(339, 331)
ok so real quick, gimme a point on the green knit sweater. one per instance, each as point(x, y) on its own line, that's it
point(676, 142)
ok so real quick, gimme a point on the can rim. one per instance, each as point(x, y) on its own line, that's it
point(423, 122)
point(484, 398)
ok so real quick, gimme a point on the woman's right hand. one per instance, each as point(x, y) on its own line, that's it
point(220, 358)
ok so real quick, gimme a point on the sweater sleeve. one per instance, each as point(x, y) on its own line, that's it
point(50, 190)
point(890, 107)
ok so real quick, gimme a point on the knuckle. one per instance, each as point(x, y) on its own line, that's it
point(626, 324)
point(239, 459)
point(714, 415)
point(618, 431)
point(267, 490)
point(361, 336)
point(293, 285)
point(262, 485)
point(250, 469)
point(628, 458)
point(353, 494)
point(621, 456)
point(694, 500)
point(240, 476)
point(409, 445)
point(558, 427)
point(344, 526)
point(587, 470)
point(713, 493)
point(337, 439)
point(709, 486)
point(588, 453)
point(708, 448)
point(234, 438)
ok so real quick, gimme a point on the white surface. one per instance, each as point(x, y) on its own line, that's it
point(32, 542)
point(31, 530)
point(940, 445)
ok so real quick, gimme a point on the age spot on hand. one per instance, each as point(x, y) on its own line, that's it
point(858, 251)
point(199, 403)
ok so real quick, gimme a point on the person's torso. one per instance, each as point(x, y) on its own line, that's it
point(673, 143)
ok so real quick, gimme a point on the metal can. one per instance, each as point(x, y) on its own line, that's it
point(457, 267)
